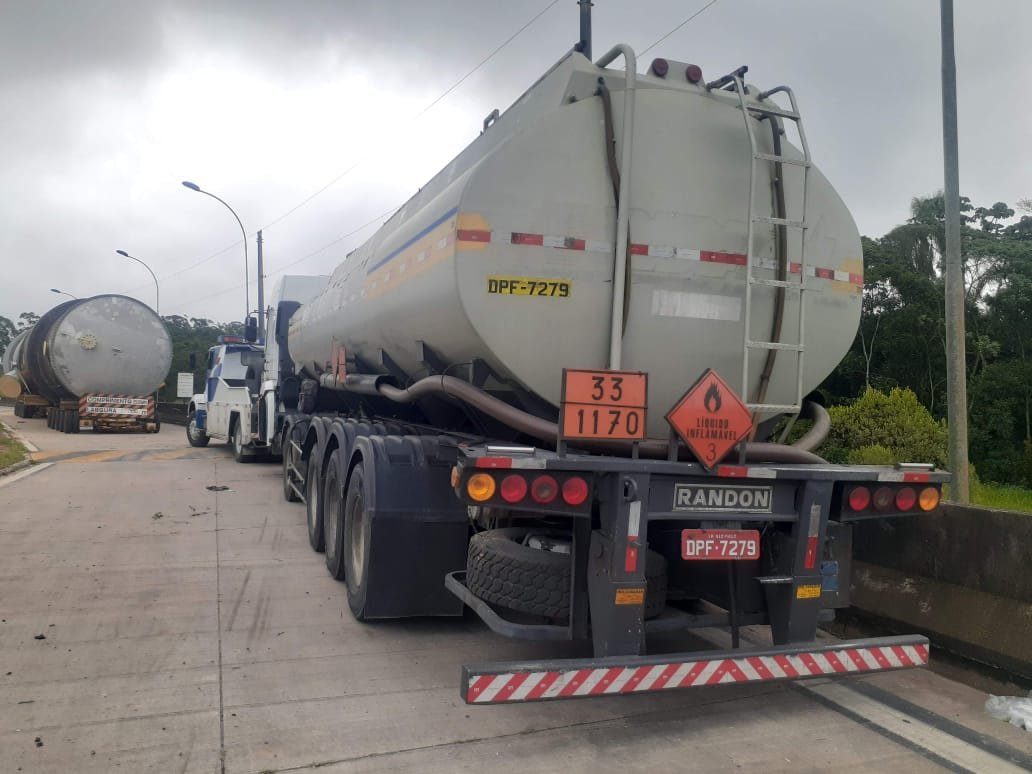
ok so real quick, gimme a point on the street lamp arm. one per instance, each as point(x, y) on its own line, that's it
point(243, 233)
point(157, 290)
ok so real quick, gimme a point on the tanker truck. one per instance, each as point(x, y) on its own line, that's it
point(89, 362)
point(546, 390)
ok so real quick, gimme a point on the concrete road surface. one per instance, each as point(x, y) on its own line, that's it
point(151, 624)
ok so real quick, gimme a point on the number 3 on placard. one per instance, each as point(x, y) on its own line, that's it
point(711, 452)
point(598, 391)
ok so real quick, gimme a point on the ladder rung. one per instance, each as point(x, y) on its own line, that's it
point(789, 284)
point(780, 408)
point(781, 159)
point(774, 345)
point(780, 221)
point(774, 111)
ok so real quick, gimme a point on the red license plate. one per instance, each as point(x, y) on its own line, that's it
point(720, 544)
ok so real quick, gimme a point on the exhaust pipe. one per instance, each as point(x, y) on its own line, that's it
point(584, 46)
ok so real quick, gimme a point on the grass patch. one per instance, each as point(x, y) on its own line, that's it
point(1004, 496)
point(11, 452)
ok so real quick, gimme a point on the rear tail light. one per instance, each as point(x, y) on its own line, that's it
point(480, 487)
point(514, 488)
point(544, 489)
point(575, 490)
point(884, 498)
point(859, 498)
point(660, 67)
point(906, 498)
point(928, 499)
point(693, 73)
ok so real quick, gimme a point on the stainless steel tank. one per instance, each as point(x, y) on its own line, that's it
point(507, 255)
point(107, 344)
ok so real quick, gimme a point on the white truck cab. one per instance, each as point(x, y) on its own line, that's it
point(223, 411)
point(247, 384)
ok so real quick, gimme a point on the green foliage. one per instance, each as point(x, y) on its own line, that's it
point(192, 335)
point(876, 423)
point(7, 332)
point(875, 454)
point(901, 341)
point(11, 452)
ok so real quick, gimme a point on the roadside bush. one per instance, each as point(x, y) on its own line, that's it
point(871, 455)
point(884, 429)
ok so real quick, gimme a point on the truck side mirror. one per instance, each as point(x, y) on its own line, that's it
point(193, 361)
point(250, 329)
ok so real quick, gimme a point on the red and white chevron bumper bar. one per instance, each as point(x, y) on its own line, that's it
point(575, 679)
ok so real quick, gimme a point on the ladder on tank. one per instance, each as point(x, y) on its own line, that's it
point(772, 112)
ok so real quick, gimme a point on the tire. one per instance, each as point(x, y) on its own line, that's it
point(314, 503)
point(19, 410)
point(504, 572)
point(333, 515)
point(62, 421)
point(288, 459)
point(74, 422)
point(357, 539)
point(195, 436)
point(240, 453)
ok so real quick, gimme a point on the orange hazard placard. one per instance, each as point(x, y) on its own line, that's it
point(603, 405)
point(710, 419)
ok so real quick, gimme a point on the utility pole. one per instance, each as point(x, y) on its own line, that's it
point(261, 291)
point(956, 360)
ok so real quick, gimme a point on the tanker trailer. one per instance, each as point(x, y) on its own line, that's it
point(94, 361)
point(543, 390)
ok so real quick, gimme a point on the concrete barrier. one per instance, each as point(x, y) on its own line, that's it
point(963, 576)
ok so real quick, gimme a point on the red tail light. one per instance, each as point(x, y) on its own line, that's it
point(544, 489)
point(859, 498)
point(513, 488)
point(906, 498)
point(575, 491)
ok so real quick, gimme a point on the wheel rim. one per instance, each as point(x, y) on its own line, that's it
point(357, 517)
point(238, 441)
point(312, 500)
point(331, 525)
point(193, 429)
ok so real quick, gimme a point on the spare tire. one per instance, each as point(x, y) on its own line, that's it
point(504, 572)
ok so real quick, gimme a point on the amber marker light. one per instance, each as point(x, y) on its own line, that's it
point(928, 499)
point(480, 487)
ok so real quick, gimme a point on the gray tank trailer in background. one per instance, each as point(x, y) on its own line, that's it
point(89, 362)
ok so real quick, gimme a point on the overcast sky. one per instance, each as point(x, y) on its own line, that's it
point(108, 105)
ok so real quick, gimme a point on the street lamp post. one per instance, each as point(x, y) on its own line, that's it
point(157, 292)
point(61, 292)
point(247, 276)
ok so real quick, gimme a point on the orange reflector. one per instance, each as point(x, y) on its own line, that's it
point(455, 476)
point(480, 487)
point(929, 498)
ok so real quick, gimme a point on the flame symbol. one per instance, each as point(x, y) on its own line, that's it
point(712, 399)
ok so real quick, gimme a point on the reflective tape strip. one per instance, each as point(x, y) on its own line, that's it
point(580, 244)
point(902, 476)
point(530, 685)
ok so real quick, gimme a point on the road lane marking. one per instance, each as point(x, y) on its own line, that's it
point(929, 741)
point(121, 455)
